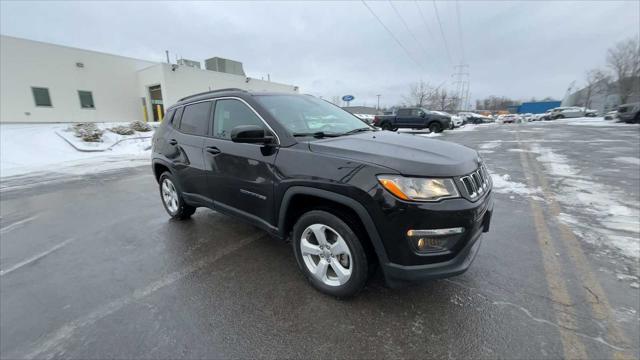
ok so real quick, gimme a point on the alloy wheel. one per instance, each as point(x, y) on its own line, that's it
point(326, 255)
point(170, 196)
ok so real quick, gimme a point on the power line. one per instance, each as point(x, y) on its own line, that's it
point(460, 30)
point(407, 27)
point(444, 39)
point(424, 20)
point(392, 35)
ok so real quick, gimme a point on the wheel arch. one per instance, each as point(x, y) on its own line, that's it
point(159, 167)
point(288, 214)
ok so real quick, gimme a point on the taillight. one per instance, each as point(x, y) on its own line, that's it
point(376, 120)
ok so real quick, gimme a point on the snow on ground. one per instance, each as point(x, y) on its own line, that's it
point(472, 127)
point(617, 217)
point(503, 184)
point(628, 160)
point(590, 121)
point(37, 148)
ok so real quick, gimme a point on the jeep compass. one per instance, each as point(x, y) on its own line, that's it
point(348, 197)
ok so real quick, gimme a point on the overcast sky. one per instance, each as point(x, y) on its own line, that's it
point(515, 49)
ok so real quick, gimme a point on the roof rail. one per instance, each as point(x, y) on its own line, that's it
point(211, 92)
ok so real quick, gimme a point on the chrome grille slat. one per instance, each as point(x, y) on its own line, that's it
point(476, 183)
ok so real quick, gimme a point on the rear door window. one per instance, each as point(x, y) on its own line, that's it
point(196, 118)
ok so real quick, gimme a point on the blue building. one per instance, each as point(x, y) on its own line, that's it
point(537, 107)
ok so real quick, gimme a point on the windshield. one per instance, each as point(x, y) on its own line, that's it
point(307, 115)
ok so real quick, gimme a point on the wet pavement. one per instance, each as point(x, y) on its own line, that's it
point(91, 267)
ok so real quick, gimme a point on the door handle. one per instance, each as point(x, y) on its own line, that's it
point(173, 142)
point(212, 150)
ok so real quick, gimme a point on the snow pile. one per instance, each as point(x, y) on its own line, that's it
point(503, 184)
point(37, 148)
point(607, 216)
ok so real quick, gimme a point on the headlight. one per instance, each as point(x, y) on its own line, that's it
point(419, 189)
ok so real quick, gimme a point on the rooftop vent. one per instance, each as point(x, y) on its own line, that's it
point(224, 65)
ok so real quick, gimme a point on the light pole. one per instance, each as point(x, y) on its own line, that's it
point(378, 107)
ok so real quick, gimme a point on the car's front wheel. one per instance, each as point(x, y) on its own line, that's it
point(330, 254)
point(435, 127)
point(172, 198)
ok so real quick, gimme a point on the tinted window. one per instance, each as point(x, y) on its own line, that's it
point(231, 113)
point(41, 96)
point(176, 117)
point(86, 99)
point(195, 119)
point(404, 112)
point(169, 116)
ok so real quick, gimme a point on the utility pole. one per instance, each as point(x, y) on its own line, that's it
point(378, 107)
point(462, 85)
point(167, 52)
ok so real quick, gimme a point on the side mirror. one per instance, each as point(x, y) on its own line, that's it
point(251, 134)
point(422, 115)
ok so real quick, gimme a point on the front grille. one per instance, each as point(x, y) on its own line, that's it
point(476, 183)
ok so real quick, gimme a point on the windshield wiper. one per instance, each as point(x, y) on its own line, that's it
point(357, 130)
point(317, 135)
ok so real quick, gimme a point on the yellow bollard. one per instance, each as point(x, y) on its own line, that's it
point(159, 112)
point(144, 113)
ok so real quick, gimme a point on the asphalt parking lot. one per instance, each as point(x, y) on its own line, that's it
point(92, 267)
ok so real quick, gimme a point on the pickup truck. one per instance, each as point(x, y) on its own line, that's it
point(414, 118)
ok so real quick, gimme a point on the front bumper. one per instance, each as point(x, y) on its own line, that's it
point(406, 264)
point(399, 275)
point(626, 116)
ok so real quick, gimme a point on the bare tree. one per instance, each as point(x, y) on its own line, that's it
point(419, 94)
point(624, 60)
point(596, 83)
point(441, 100)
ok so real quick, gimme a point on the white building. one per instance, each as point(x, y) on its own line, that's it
point(42, 82)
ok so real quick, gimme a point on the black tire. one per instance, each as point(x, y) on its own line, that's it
point(435, 127)
point(358, 263)
point(559, 117)
point(386, 126)
point(182, 211)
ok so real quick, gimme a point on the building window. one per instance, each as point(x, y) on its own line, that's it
point(41, 96)
point(86, 99)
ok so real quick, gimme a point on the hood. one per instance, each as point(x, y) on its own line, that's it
point(405, 153)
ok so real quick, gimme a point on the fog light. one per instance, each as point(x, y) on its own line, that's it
point(434, 241)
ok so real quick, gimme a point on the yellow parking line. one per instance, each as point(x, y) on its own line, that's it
point(593, 291)
point(572, 347)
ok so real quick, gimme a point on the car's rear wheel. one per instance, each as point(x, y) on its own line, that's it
point(329, 253)
point(387, 126)
point(435, 127)
point(172, 198)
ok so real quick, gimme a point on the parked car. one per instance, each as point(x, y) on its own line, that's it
point(510, 118)
point(629, 112)
point(611, 115)
point(456, 121)
point(368, 118)
point(546, 115)
point(414, 118)
point(348, 196)
point(473, 118)
point(572, 112)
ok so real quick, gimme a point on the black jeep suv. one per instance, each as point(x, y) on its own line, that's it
point(348, 197)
